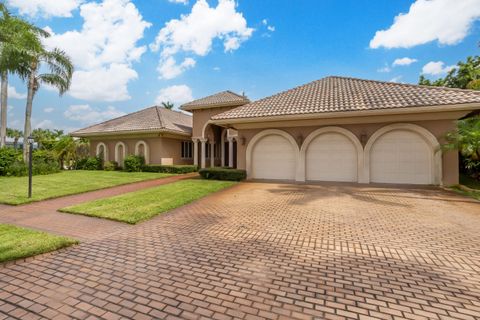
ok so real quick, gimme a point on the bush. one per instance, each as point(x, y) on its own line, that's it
point(8, 156)
point(90, 163)
point(223, 174)
point(170, 169)
point(17, 169)
point(110, 166)
point(133, 163)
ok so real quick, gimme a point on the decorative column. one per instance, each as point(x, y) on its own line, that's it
point(230, 151)
point(203, 141)
point(195, 151)
point(222, 151)
point(212, 154)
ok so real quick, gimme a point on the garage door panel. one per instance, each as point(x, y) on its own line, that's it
point(331, 157)
point(274, 158)
point(401, 156)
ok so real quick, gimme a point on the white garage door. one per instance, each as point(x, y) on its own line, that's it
point(401, 156)
point(331, 157)
point(273, 157)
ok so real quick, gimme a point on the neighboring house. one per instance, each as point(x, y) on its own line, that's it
point(334, 129)
point(162, 136)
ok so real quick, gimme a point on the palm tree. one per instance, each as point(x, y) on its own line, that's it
point(168, 105)
point(15, 134)
point(59, 74)
point(17, 38)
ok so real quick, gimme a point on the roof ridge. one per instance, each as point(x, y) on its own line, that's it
point(159, 117)
point(401, 84)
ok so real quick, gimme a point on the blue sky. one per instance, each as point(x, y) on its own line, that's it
point(131, 54)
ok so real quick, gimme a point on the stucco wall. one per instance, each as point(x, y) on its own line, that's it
point(437, 127)
point(202, 116)
point(159, 147)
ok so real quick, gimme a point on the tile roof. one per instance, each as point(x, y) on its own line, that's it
point(153, 119)
point(224, 98)
point(337, 94)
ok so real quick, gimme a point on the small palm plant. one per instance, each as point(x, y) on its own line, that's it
point(168, 105)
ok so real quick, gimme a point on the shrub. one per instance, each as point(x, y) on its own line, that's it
point(223, 174)
point(17, 169)
point(110, 166)
point(8, 156)
point(133, 163)
point(90, 163)
point(170, 169)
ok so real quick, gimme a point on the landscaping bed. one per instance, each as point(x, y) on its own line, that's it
point(142, 205)
point(468, 187)
point(16, 242)
point(13, 190)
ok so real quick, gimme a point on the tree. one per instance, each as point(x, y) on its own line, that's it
point(466, 75)
point(168, 105)
point(69, 150)
point(15, 134)
point(17, 38)
point(59, 75)
point(46, 138)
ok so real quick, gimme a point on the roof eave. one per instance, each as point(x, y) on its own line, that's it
point(127, 132)
point(356, 113)
point(214, 105)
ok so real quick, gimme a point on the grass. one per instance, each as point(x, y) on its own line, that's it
point(16, 242)
point(14, 189)
point(471, 184)
point(142, 205)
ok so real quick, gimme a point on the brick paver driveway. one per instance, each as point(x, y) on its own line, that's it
point(269, 251)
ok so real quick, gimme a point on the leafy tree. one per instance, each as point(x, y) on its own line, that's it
point(15, 134)
point(69, 150)
point(59, 74)
point(17, 39)
point(466, 75)
point(46, 138)
point(168, 105)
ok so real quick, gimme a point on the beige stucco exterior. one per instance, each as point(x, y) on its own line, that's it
point(161, 149)
point(201, 118)
point(300, 130)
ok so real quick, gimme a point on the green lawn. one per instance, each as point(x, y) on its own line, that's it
point(470, 183)
point(18, 242)
point(142, 205)
point(13, 190)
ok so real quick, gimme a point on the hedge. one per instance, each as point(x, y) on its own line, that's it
point(170, 169)
point(223, 174)
point(133, 163)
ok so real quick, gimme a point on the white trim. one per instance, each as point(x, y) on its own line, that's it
point(301, 173)
point(145, 149)
point(262, 134)
point(205, 126)
point(124, 152)
point(431, 140)
point(105, 153)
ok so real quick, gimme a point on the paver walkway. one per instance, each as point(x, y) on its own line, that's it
point(43, 215)
point(269, 251)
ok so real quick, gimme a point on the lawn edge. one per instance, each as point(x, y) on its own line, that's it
point(63, 210)
point(72, 194)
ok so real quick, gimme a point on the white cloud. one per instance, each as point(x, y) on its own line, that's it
point(445, 21)
point(179, 1)
point(436, 68)
point(12, 93)
point(85, 114)
point(176, 94)
point(271, 28)
point(404, 61)
point(216, 69)
point(194, 33)
point(169, 68)
point(385, 69)
point(103, 84)
point(45, 8)
point(106, 43)
point(48, 110)
point(43, 124)
point(396, 79)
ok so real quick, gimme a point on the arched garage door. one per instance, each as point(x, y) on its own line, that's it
point(273, 157)
point(331, 157)
point(401, 156)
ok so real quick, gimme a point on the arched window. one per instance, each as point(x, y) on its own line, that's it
point(102, 151)
point(141, 149)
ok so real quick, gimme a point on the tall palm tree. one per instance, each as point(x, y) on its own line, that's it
point(15, 134)
point(168, 105)
point(17, 39)
point(59, 75)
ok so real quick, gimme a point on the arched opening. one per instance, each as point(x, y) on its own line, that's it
point(120, 153)
point(141, 149)
point(405, 154)
point(102, 151)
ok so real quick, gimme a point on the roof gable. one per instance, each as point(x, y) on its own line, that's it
point(153, 119)
point(337, 94)
point(220, 99)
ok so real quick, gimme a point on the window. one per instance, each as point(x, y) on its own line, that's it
point(187, 149)
point(207, 150)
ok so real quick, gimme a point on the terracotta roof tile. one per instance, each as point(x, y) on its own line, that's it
point(336, 94)
point(147, 120)
point(224, 98)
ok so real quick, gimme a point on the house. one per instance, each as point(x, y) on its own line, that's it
point(334, 129)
